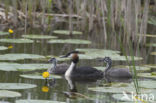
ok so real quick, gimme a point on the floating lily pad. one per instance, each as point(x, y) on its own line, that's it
point(37, 101)
point(4, 33)
point(129, 98)
point(39, 76)
point(3, 48)
point(152, 66)
point(148, 35)
point(147, 75)
point(101, 53)
point(138, 68)
point(23, 67)
point(66, 32)
point(148, 84)
point(16, 86)
point(100, 68)
point(39, 36)
point(153, 53)
point(152, 44)
point(70, 41)
point(8, 94)
point(114, 88)
point(20, 56)
point(16, 41)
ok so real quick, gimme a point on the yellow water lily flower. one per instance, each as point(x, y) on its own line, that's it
point(45, 89)
point(45, 74)
point(10, 31)
point(10, 47)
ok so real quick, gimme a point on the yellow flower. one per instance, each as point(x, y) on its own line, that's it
point(10, 47)
point(45, 74)
point(45, 89)
point(10, 31)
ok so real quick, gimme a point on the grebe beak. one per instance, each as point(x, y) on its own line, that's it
point(64, 56)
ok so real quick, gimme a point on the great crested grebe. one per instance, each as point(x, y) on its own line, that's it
point(57, 68)
point(84, 73)
point(115, 72)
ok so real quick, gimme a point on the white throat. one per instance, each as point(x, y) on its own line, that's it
point(69, 70)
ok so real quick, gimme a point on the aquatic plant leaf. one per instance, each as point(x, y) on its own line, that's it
point(16, 86)
point(16, 41)
point(101, 53)
point(8, 94)
point(128, 97)
point(36, 101)
point(3, 33)
point(100, 68)
point(112, 89)
point(153, 53)
point(152, 20)
point(151, 44)
point(147, 75)
point(147, 35)
point(67, 32)
point(39, 76)
point(152, 66)
point(151, 84)
point(3, 48)
point(70, 41)
point(19, 56)
point(23, 67)
point(138, 68)
point(30, 36)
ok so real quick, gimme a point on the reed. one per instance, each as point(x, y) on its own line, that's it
point(110, 15)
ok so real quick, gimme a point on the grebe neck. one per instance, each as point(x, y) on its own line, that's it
point(70, 69)
point(108, 67)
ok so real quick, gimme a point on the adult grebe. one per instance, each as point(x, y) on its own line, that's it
point(116, 72)
point(82, 73)
point(57, 68)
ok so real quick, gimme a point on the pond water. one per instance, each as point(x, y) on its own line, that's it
point(17, 53)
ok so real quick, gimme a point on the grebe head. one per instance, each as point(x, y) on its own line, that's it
point(73, 55)
point(107, 60)
point(52, 60)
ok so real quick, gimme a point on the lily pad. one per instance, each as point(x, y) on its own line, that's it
point(29, 36)
point(16, 41)
point(147, 75)
point(114, 88)
point(3, 48)
point(8, 94)
point(16, 86)
point(66, 32)
point(70, 41)
point(130, 99)
point(138, 68)
point(151, 44)
point(153, 53)
point(37, 101)
point(101, 53)
point(148, 84)
point(20, 56)
point(22, 67)
point(39, 76)
point(152, 66)
point(148, 35)
point(4, 33)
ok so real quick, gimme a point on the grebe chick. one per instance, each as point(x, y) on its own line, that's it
point(83, 73)
point(115, 72)
point(57, 68)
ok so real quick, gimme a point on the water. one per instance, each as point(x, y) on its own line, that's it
point(56, 92)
